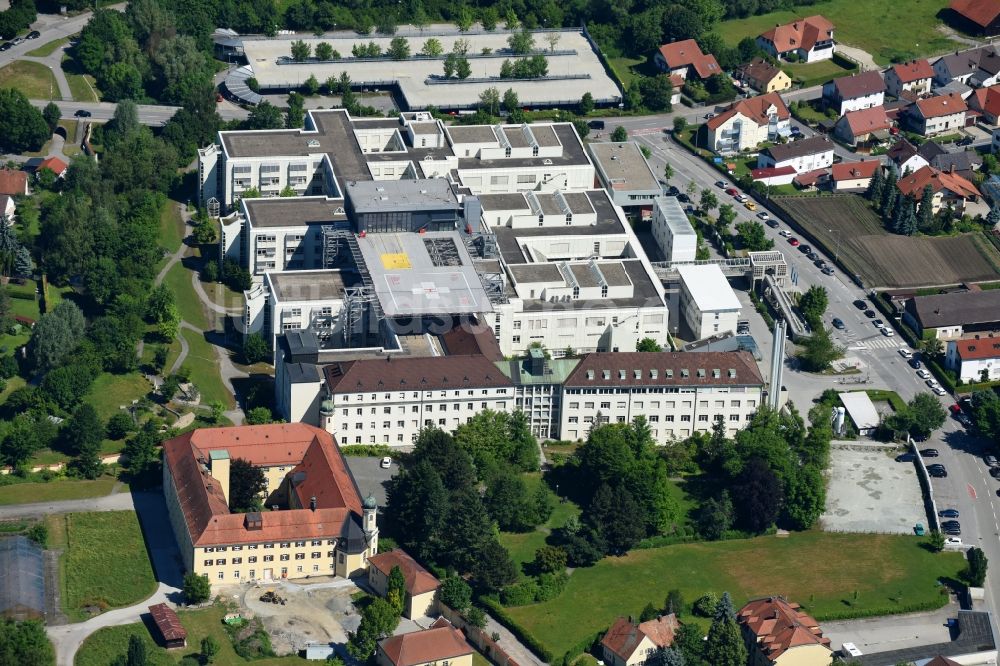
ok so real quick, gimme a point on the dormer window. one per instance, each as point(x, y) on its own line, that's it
point(653, 373)
point(637, 374)
point(621, 374)
point(732, 373)
point(669, 373)
point(606, 374)
point(685, 373)
point(701, 372)
point(590, 374)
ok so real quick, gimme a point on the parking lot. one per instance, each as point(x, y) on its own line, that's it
point(869, 491)
point(371, 478)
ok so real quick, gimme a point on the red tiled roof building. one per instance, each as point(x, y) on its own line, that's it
point(778, 631)
point(314, 522)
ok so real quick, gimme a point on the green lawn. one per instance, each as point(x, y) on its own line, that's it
point(171, 228)
point(103, 646)
point(109, 392)
point(873, 26)
point(54, 491)
point(178, 279)
point(48, 48)
point(34, 79)
point(625, 68)
point(105, 563)
point(821, 571)
point(83, 87)
point(522, 546)
point(824, 69)
point(204, 365)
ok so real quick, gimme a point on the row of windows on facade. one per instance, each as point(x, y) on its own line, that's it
point(455, 406)
point(283, 544)
point(273, 168)
point(655, 418)
point(253, 572)
point(416, 394)
point(657, 389)
point(667, 404)
point(268, 558)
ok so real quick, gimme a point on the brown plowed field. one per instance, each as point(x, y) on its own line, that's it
point(882, 259)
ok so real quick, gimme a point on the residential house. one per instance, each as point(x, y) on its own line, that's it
point(853, 176)
point(952, 315)
point(748, 123)
point(763, 77)
point(974, 359)
point(977, 67)
point(810, 180)
point(852, 93)
point(773, 175)
point(13, 183)
point(914, 76)
point(440, 643)
point(629, 644)
point(685, 59)
point(936, 115)
point(978, 16)
point(53, 164)
point(778, 633)
point(421, 586)
point(809, 39)
point(950, 189)
point(986, 102)
point(864, 127)
point(906, 157)
point(803, 155)
point(961, 162)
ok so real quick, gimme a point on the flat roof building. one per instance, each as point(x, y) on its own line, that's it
point(672, 230)
point(862, 411)
point(709, 305)
point(625, 173)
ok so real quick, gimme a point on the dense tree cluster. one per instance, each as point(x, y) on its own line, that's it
point(17, 18)
point(438, 514)
point(902, 213)
point(922, 414)
point(25, 643)
point(22, 126)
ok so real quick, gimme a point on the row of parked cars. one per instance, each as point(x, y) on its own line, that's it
point(34, 34)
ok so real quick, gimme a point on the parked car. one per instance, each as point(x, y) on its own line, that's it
point(596, 124)
point(906, 353)
point(932, 383)
point(763, 216)
point(860, 304)
point(937, 390)
point(805, 249)
point(683, 198)
point(17, 40)
point(820, 263)
point(953, 531)
point(5, 46)
point(948, 513)
point(967, 141)
point(796, 130)
point(950, 523)
point(785, 233)
point(732, 191)
point(771, 223)
point(923, 374)
point(721, 184)
point(938, 472)
point(991, 461)
point(870, 314)
point(929, 453)
point(750, 205)
point(887, 332)
point(827, 270)
point(995, 472)
point(82, 113)
point(838, 323)
point(794, 242)
point(914, 362)
point(954, 542)
point(34, 34)
point(709, 116)
point(878, 323)
point(385, 463)
point(905, 457)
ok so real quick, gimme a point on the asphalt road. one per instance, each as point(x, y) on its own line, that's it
point(968, 488)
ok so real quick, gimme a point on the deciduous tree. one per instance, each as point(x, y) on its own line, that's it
point(246, 485)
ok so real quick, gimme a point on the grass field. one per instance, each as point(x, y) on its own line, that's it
point(522, 545)
point(178, 279)
point(54, 491)
point(47, 48)
point(844, 225)
point(105, 563)
point(103, 646)
point(171, 228)
point(872, 26)
point(626, 68)
point(34, 79)
point(109, 391)
point(204, 367)
point(824, 69)
point(827, 573)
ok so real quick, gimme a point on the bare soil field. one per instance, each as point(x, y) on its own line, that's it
point(844, 225)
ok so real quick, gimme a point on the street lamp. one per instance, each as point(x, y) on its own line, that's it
point(836, 254)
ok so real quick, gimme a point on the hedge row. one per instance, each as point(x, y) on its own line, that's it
point(674, 539)
point(522, 634)
point(367, 450)
point(859, 613)
point(544, 588)
point(582, 646)
point(21, 295)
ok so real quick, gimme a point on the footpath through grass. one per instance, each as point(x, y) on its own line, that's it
point(102, 647)
point(829, 574)
point(874, 26)
point(105, 564)
point(34, 79)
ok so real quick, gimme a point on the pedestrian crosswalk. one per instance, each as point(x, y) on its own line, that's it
point(874, 343)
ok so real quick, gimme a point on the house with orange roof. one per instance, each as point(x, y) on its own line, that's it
point(313, 521)
point(979, 16)
point(53, 164)
point(763, 77)
point(914, 76)
point(975, 359)
point(986, 102)
point(779, 633)
point(938, 114)
point(810, 39)
point(950, 189)
point(853, 176)
point(440, 643)
point(421, 586)
point(863, 127)
point(747, 123)
point(628, 643)
point(13, 183)
point(686, 60)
